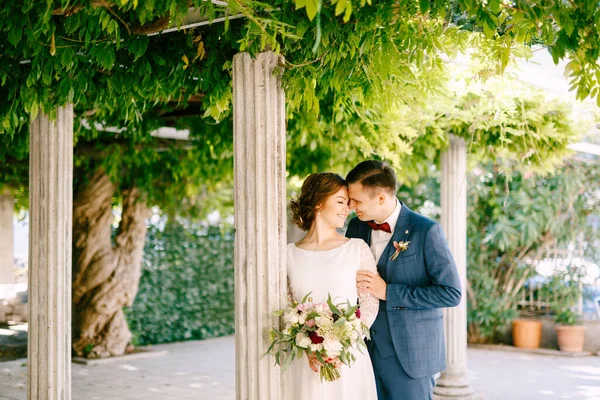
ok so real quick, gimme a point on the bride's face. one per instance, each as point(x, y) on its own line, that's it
point(335, 209)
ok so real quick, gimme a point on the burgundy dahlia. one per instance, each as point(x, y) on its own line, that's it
point(315, 338)
point(357, 313)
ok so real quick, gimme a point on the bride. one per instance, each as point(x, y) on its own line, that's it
point(325, 262)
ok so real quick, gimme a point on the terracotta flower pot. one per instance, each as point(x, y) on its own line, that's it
point(570, 338)
point(527, 333)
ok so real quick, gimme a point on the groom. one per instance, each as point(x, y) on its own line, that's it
point(417, 279)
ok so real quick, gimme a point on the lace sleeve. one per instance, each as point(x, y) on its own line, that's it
point(369, 305)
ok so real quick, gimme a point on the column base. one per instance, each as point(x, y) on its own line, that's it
point(474, 396)
point(454, 386)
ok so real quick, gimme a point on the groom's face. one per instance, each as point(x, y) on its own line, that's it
point(364, 201)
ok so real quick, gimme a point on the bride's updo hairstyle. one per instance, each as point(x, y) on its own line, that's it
point(315, 190)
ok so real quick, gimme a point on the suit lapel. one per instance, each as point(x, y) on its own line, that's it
point(401, 233)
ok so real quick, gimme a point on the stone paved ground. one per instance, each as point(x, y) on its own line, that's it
point(204, 370)
point(191, 370)
point(502, 375)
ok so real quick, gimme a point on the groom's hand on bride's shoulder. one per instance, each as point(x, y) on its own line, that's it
point(371, 282)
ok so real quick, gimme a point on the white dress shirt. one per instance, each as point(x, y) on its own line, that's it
point(380, 239)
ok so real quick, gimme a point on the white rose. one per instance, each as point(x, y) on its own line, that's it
point(302, 319)
point(332, 346)
point(291, 316)
point(316, 347)
point(302, 340)
point(319, 308)
point(323, 322)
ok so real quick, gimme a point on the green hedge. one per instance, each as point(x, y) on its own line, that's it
point(186, 287)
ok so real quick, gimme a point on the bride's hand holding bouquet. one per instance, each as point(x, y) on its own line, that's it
point(327, 333)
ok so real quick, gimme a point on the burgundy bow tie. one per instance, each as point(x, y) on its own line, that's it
point(380, 227)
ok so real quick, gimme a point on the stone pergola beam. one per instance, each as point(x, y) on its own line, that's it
point(260, 220)
point(50, 229)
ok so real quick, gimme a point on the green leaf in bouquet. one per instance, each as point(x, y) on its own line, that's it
point(347, 358)
point(306, 297)
point(360, 348)
point(366, 332)
point(286, 363)
point(312, 315)
point(299, 354)
point(339, 323)
point(273, 343)
point(332, 306)
point(361, 340)
point(319, 357)
point(278, 313)
point(350, 309)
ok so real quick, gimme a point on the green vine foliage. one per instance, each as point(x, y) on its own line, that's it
point(511, 225)
point(186, 287)
point(354, 71)
point(185, 177)
point(502, 121)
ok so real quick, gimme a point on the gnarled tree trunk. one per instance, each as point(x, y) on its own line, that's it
point(105, 276)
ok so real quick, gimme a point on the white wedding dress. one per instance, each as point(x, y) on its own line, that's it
point(334, 272)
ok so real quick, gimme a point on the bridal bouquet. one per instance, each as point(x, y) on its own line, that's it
point(326, 332)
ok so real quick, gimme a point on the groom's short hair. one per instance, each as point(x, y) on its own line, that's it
point(374, 174)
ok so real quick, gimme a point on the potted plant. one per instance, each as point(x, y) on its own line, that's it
point(563, 291)
point(526, 333)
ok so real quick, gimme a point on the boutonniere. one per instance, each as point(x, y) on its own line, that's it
point(400, 247)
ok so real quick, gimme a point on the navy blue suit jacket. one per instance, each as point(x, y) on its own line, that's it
point(420, 282)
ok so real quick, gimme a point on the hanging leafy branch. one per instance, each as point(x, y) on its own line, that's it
point(57, 52)
point(374, 67)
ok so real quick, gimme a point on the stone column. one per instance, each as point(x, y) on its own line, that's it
point(453, 383)
point(260, 219)
point(50, 229)
point(7, 205)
